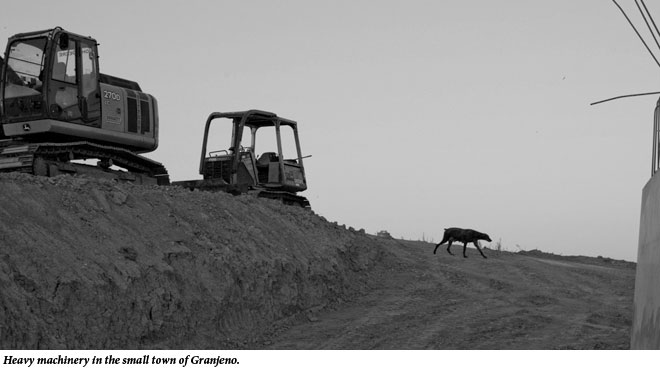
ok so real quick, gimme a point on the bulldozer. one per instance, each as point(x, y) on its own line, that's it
point(238, 170)
point(57, 111)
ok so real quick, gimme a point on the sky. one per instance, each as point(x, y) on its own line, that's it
point(418, 115)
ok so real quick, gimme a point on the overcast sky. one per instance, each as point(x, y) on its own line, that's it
point(419, 115)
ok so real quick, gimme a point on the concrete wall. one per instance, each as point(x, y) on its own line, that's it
point(646, 315)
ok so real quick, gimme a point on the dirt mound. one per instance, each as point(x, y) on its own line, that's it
point(92, 264)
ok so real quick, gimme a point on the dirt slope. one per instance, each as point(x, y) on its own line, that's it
point(94, 264)
point(528, 300)
point(90, 264)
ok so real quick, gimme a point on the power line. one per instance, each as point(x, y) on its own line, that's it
point(647, 22)
point(650, 17)
point(637, 32)
point(625, 96)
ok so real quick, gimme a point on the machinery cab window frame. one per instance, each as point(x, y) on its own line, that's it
point(74, 84)
point(23, 67)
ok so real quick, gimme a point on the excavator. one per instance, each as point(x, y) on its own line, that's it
point(238, 170)
point(57, 111)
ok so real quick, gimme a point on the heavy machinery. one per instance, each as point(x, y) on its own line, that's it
point(238, 170)
point(57, 108)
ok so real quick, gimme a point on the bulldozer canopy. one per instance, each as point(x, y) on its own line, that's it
point(256, 118)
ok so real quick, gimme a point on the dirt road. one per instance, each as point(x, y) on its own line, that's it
point(509, 301)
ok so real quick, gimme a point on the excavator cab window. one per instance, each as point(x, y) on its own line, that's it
point(64, 63)
point(64, 80)
point(25, 63)
point(90, 82)
point(75, 81)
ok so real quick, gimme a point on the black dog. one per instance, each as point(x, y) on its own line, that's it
point(455, 234)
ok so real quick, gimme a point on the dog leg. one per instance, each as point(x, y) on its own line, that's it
point(449, 246)
point(465, 249)
point(476, 244)
point(444, 239)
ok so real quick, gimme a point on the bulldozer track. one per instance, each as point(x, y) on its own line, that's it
point(284, 197)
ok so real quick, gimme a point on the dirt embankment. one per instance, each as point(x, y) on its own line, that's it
point(91, 264)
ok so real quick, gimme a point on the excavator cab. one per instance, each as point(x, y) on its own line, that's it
point(39, 72)
point(51, 90)
point(241, 167)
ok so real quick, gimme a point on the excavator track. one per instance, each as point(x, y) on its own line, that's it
point(52, 159)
